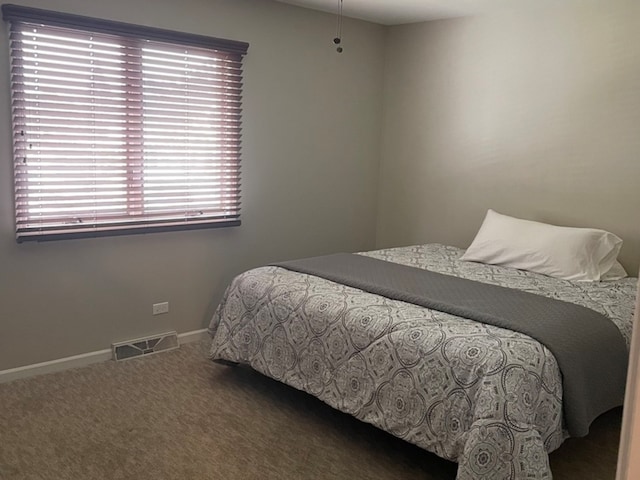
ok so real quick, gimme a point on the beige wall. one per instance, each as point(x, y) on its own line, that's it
point(534, 113)
point(310, 174)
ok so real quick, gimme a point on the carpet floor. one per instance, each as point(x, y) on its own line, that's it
point(178, 416)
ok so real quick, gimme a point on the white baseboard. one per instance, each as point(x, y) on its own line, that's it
point(193, 336)
point(55, 365)
point(81, 360)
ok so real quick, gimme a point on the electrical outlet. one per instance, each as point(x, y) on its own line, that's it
point(159, 308)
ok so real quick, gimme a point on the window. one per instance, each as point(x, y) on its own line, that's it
point(121, 129)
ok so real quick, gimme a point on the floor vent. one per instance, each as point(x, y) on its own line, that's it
point(145, 346)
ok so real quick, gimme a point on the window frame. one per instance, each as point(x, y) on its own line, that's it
point(127, 32)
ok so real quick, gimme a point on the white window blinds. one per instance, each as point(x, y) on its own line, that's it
point(121, 133)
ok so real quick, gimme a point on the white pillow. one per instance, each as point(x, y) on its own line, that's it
point(582, 254)
point(616, 272)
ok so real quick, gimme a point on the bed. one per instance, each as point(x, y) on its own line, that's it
point(488, 398)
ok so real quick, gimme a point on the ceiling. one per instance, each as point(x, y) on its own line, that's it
point(395, 12)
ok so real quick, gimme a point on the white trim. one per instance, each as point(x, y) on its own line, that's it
point(628, 456)
point(193, 336)
point(81, 360)
point(58, 365)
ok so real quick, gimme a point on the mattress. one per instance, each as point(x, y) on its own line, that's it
point(485, 397)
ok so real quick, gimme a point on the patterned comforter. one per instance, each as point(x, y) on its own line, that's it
point(485, 397)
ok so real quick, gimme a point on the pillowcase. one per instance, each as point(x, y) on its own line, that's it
point(580, 254)
point(616, 272)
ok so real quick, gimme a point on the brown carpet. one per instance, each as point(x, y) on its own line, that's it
point(175, 415)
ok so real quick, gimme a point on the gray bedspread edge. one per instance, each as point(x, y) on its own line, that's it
point(589, 348)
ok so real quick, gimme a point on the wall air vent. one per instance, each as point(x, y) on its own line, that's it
point(145, 346)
